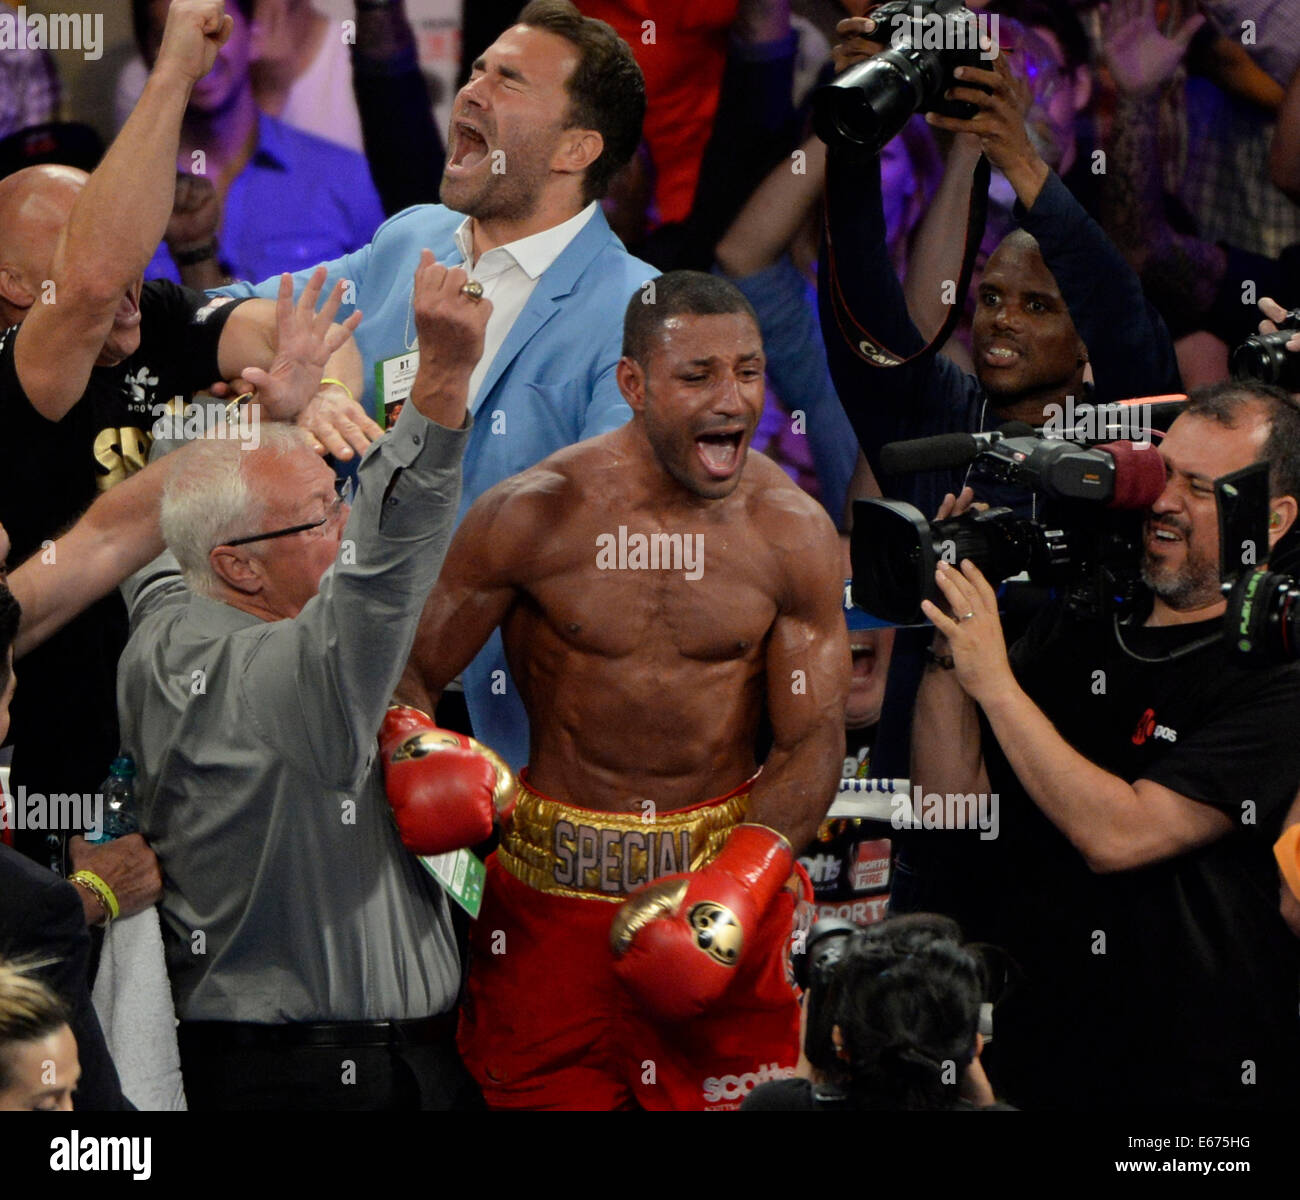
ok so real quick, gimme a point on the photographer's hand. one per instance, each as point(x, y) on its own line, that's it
point(857, 42)
point(946, 748)
point(1275, 313)
point(1115, 825)
point(999, 124)
point(952, 506)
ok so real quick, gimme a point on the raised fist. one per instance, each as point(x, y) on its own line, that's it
point(195, 31)
point(450, 324)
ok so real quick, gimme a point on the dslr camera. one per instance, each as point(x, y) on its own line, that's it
point(870, 103)
point(1266, 359)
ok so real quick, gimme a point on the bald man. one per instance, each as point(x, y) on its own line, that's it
point(34, 207)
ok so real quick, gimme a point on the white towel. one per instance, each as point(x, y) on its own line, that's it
point(134, 1002)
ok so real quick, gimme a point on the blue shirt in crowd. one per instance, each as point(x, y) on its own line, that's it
point(300, 201)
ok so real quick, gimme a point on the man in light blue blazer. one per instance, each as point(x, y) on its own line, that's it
point(552, 110)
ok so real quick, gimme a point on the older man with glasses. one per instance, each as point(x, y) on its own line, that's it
point(312, 958)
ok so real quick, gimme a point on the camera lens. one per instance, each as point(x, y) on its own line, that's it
point(1266, 359)
point(895, 552)
point(892, 559)
point(870, 103)
point(998, 543)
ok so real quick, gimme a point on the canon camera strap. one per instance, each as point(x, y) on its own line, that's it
point(859, 339)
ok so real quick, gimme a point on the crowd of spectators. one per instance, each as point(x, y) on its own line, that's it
point(278, 233)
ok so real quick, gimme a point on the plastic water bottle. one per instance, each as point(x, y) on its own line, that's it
point(118, 791)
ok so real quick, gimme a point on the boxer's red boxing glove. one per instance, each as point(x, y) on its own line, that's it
point(445, 789)
point(677, 941)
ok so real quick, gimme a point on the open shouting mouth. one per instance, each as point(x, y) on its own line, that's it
point(864, 660)
point(719, 451)
point(469, 149)
point(127, 315)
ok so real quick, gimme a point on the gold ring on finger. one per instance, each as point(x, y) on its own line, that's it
point(472, 288)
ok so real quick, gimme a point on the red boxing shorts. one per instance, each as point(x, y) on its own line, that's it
point(545, 1023)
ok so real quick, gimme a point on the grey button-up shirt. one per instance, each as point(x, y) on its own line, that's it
point(288, 895)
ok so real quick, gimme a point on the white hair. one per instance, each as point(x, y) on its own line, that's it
point(211, 500)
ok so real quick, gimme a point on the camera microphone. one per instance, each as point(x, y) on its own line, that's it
point(946, 450)
point(1128, 475)
point(1121, 475)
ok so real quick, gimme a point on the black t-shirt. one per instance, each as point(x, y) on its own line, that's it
point(64, 715)
point(54, 469)
point(1174, 983)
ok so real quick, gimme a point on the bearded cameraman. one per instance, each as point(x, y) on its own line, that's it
point(1143, 771)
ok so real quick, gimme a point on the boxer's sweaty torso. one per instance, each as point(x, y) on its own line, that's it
point(638, 619)
point(640, 646)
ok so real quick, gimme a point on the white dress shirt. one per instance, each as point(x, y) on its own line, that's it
point(508, 275)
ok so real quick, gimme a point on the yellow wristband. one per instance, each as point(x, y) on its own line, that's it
point(103, 907)
point(339, 383)
point(103, 893)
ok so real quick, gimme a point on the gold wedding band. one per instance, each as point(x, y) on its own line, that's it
point(473, 289)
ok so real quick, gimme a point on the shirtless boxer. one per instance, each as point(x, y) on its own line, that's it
point(644, 678)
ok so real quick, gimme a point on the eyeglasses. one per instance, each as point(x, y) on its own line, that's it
point(345, 488)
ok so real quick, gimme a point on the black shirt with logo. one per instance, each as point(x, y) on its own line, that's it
point(64, 715)
point(1175, 983)
point(54, 469)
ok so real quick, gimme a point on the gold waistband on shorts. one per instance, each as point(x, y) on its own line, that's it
point(566, 851)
